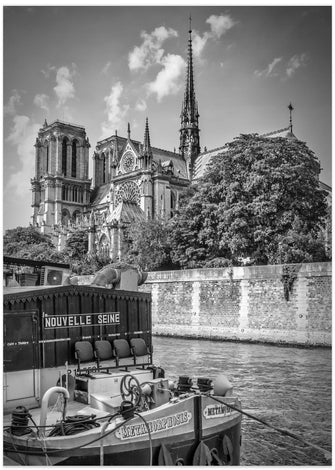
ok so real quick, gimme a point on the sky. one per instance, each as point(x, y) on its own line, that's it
point(104, 66)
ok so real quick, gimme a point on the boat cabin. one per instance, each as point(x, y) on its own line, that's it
point(73, 334)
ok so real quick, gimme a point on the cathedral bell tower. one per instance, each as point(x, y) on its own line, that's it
point(60, 186)
point(189, 130)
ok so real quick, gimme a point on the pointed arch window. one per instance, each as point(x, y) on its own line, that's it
point(47, 157)
point(173, 201)
point(104, 247)
point(64, 155)
point(74, 159)
point(103, 168)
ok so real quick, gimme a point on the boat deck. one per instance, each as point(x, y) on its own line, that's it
point(55, 413)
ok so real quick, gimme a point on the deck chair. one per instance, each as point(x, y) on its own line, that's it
point(84, 354)
point(104, 354)
point(122, 353)
point(141, 352)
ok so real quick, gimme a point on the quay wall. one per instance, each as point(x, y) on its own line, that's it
point(244, 304)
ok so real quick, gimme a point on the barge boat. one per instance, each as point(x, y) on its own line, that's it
point(81, 387)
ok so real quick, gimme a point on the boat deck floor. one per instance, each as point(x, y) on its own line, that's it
point(55, 413)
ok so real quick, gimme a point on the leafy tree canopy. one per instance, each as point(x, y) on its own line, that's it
point(76, 245)
point(148, 244)
point(29, 243)
point(76, 254)
point(19, 238)
point(259, 200)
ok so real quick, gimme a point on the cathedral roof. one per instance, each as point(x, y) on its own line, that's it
point(159, 155)
point(99, 195)
point(179, 164)
point(203, 159)
point(126, 212)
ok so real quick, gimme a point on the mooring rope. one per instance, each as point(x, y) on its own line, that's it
point(325, 452)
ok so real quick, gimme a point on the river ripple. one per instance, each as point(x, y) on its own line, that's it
point(287, 387)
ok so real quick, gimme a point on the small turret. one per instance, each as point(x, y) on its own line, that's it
point(147, 151)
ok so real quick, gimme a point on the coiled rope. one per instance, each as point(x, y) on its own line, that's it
point(102, 436)
point(74, 425)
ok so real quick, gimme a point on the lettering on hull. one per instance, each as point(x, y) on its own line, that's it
point(214, 411)
point(131, 431)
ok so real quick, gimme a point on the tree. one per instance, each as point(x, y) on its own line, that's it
point(76, 254)
point(17, 238)
point(260, 200)
point(76, 245)
point(148, 245)
point(28, 243)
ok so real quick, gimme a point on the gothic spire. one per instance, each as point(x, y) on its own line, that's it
point(146, 141)
point(189, 97)
point(189, 129)
point(146, 148)
point(128, 131)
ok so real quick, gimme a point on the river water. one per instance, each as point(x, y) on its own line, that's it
point(290, 388)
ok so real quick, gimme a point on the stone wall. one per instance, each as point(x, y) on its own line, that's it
point(244, 304)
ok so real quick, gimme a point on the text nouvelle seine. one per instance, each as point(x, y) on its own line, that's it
point(90, 319)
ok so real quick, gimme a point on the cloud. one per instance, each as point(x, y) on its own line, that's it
point(141, 105)
point(292, 65)
point(295, 63)
point(220, 24)
point(22, 136)
point(269, 70)
point(167, 80)
point(115, 111)
point(65, 88)
point(13, 101)
point(48, 71)
point(106, 68)
point(150, 52)
point(199, 42)
point(41, 101)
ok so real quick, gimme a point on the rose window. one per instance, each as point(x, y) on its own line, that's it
point(128, 192)
point(128, 162)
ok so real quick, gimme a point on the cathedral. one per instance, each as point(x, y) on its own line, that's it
point(132, 181)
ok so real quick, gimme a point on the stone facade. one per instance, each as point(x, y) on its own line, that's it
point(61, 187)
point(244, 304)
point(131, 182)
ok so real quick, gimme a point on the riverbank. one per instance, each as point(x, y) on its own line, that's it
point(268, 343)
point(282, 304)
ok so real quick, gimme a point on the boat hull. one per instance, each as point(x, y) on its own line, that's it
point(181, 453)
point(192, 431)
